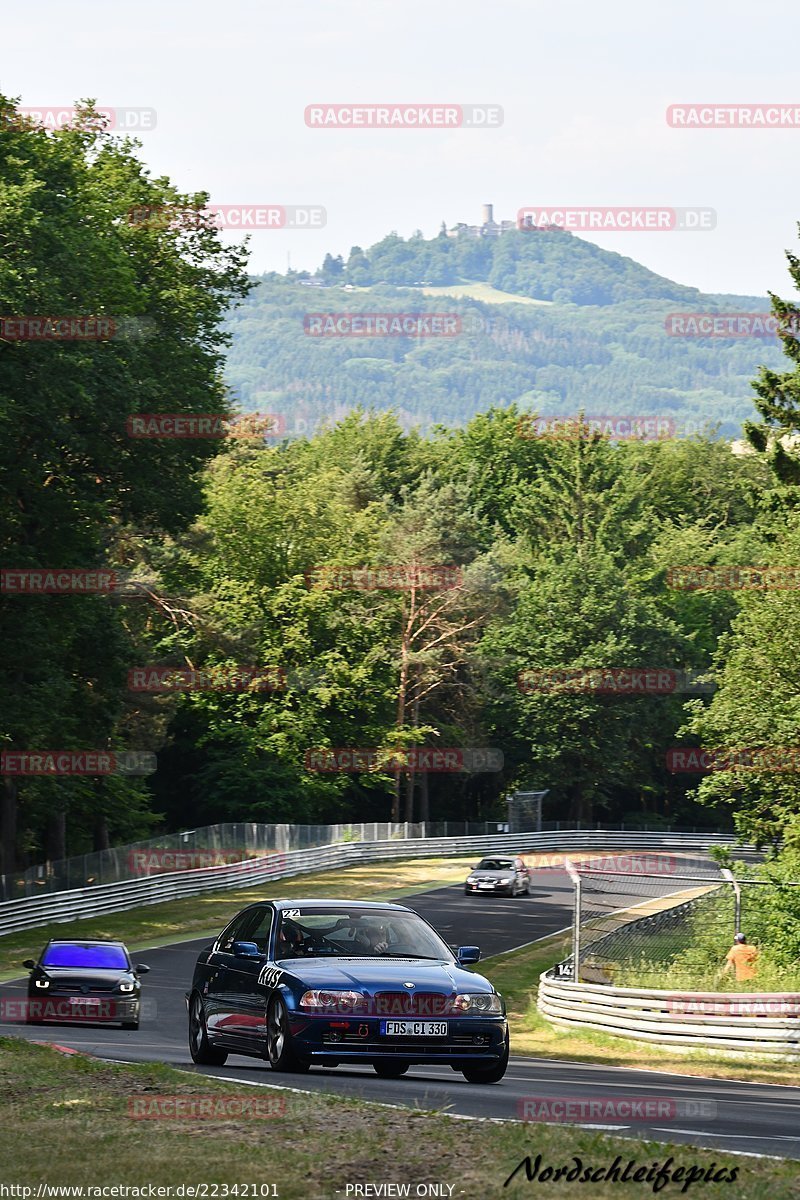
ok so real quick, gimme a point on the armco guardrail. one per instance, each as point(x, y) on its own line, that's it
point(56, 907)
point(744, 1023)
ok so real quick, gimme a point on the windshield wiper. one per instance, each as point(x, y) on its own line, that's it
point(427, 957)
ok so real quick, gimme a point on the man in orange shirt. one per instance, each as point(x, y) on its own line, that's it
point(741, 958)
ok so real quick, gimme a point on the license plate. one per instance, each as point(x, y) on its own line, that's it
point(414, 1028)
point(486, 885)
point(84, 1000)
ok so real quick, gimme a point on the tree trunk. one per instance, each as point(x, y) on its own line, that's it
point(410, 782)
point(424, 805)
point(8, 826)
point(412, 773)
point(101, 840)
point(581, 807)
point(402, 694)
point(56, 836)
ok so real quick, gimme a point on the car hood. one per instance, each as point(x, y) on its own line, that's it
point(509, 874)
point(90, 975)
point(378, 974)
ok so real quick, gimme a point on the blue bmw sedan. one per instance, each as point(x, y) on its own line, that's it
point(302, 982)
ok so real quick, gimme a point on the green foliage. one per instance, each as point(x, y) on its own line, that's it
point(588, 331)
point(71, 477)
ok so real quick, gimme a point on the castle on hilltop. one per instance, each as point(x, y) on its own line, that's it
point(488, 227)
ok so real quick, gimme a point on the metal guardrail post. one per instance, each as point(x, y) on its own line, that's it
point(737, 897)
point(576, 921)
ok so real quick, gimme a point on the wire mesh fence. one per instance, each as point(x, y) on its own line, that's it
point(214, 845)
point(673, 927)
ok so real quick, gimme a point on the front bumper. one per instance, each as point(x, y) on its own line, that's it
point(504, 889)
point(468, 1039)
point(58, 1008)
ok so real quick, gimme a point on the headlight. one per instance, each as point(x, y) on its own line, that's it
point(42, 983)
point(335, 1002)
point(479, 1002)
point(472, 879)
point(126, 986)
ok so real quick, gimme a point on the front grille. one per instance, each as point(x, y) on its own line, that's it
point(76, 989)
point(412, 1004)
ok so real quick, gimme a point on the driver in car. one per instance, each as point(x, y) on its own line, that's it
point(290, 941)
point(372, 938)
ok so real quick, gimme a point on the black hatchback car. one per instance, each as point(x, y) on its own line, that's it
point(84, 982)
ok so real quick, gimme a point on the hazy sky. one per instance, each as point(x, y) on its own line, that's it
point(584, 88)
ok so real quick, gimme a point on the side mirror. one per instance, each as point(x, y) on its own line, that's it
point(141, 968)
point(29, 964)
point(245, 950)
point(468, 954)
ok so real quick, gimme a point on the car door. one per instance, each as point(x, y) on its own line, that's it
point(246, 1007)
point(219, 995)
point(522, 874)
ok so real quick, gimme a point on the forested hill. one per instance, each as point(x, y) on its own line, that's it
point(548, 321)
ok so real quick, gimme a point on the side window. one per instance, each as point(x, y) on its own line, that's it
point(256, 927)
point(233, 932)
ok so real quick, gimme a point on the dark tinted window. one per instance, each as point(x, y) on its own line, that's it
point(256, 927)
point(75, 954)
point(231, 934)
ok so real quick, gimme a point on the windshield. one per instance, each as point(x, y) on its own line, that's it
point(74, 954)
point(340, 932)
point(495, 864)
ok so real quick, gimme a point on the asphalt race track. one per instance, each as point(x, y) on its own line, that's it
point(755, 1118)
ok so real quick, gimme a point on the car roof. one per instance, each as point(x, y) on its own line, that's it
point(317, 902)
point(77, 941)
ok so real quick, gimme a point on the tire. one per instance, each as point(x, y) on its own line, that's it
point(529, 889)
point(492, 1074)
point(200, 1047)
point(390, 1068)
point(279, 1051)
